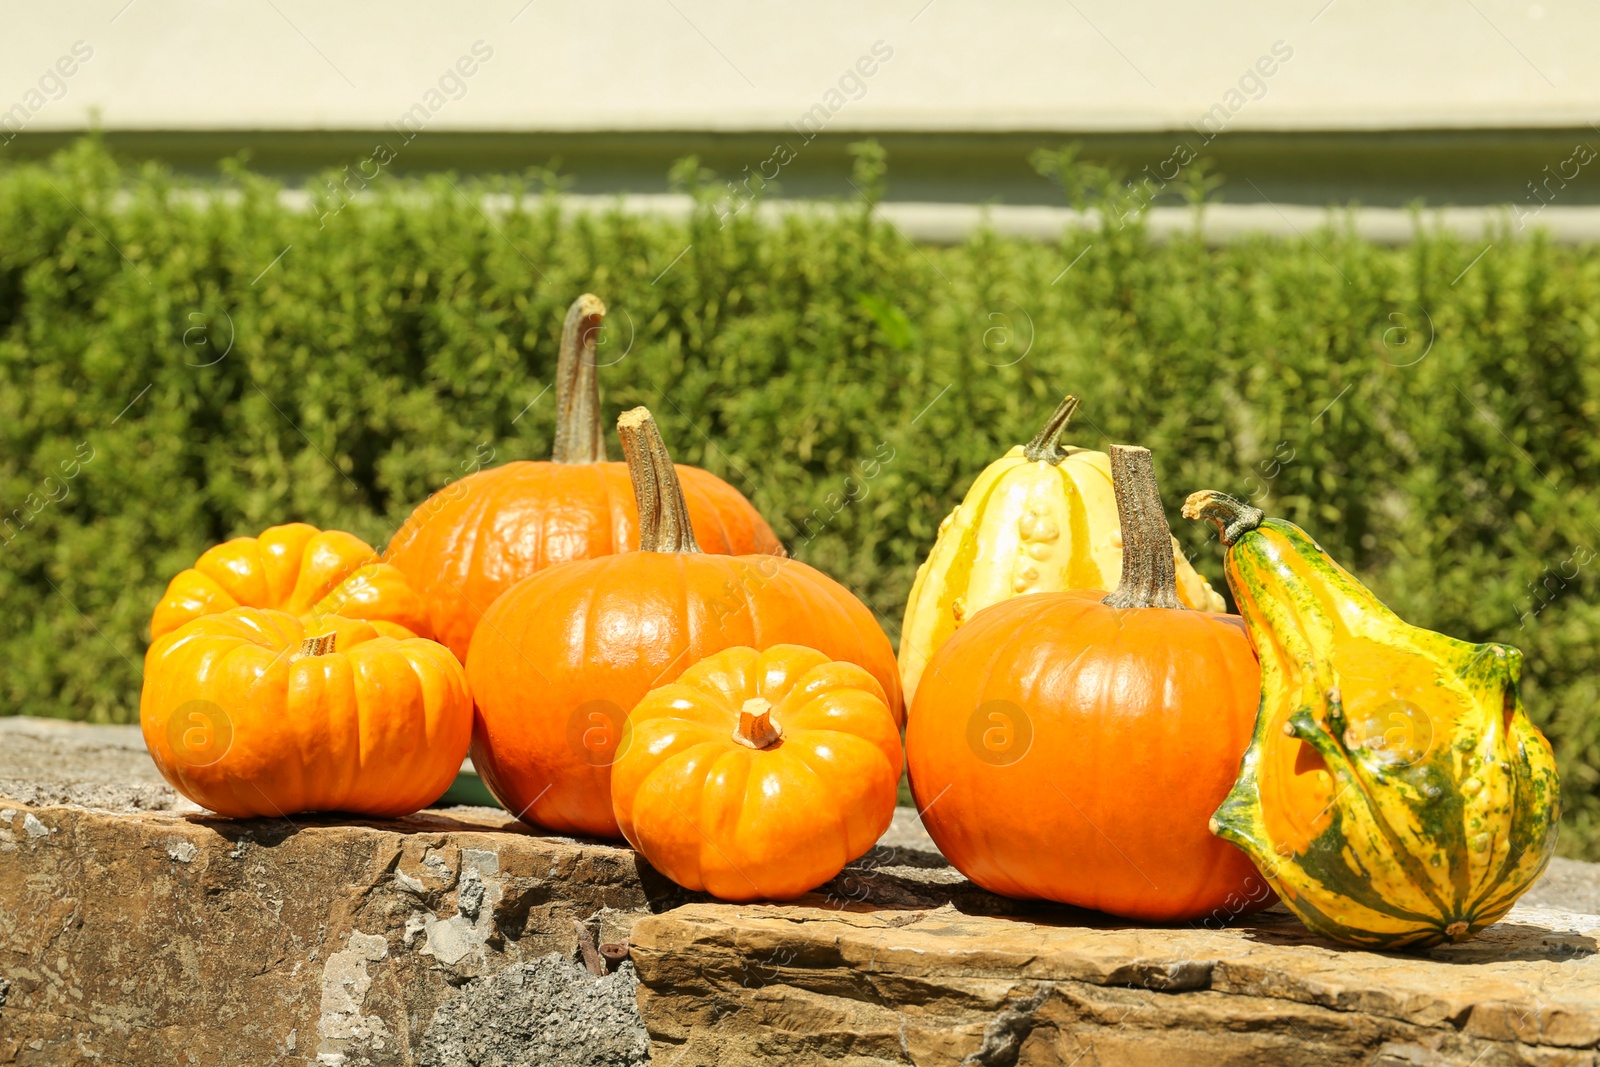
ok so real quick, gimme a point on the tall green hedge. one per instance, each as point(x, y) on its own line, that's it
point(177, 369)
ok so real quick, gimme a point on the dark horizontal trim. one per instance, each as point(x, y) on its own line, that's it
point(1383, 168)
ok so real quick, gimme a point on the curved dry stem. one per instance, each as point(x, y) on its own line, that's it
point(663, 513)
point(580, 438)
point(1046, 444)
point(1232, 518)
point(1149, 573)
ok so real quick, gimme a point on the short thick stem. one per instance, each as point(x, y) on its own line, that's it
point(580, 437)
point(1149, 572)
point(1046, 444)
point(1232, 518)
point(663, 513)
point(321, 645)
point(756, 728)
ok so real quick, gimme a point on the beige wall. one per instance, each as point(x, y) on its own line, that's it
point(1084, 65)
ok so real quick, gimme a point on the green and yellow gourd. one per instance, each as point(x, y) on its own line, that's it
point(1040, 519)
point(1395, 793)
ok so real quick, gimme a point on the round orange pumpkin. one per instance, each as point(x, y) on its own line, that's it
point(560, 659)
point(299, 569)
point(473, 540)
point(1072, 746)
point(758, 775)
point(250, 712)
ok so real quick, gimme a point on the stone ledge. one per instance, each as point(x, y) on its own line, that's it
point(802, 985)
point(135, 929)
point(159, 938)
point(449, 938)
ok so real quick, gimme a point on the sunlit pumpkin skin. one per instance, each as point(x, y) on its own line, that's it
point(472, 540)
point(561, 657)
point(758, 775)
point(1062, 748)
point(299, 569)
point(246, 716)
point(1042, 518)
point(1395, 792)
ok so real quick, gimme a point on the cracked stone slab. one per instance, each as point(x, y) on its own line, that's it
point(817, 983)
point(163, 938)
point(136, 929)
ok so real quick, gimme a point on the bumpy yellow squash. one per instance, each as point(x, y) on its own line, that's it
point(1040, 519)
point(1395, 792)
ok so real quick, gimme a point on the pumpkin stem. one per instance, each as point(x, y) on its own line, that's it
point(1233, 518)
point(756, 729)
point(663, 513)
point(1149, 574)
point(1046, 444)
point(579, 436)
point(320, 645)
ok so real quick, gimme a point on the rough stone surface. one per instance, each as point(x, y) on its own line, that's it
point(135, 929)
point(818, 984)
point(1567, 884)
point(160, 938)
point(46, 761)
point(547, 1011)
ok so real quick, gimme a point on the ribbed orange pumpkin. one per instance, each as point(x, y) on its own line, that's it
point(758, 775)
point(473, 540)
point(561, 658)
point(1072, 746)
point(299, 569)
point(248, 712)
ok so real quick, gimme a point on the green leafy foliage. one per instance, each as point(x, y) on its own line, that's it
point(227, 363)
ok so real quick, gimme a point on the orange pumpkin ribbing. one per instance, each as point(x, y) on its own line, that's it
point(564, 655)
point(246, 716)
point(758, 775)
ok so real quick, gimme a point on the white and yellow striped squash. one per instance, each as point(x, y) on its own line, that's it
point(1040, 519)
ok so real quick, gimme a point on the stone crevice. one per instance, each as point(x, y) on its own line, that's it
point(1005, 1033)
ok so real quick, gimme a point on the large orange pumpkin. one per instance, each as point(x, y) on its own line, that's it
point(758, 775)
point(299, 569)
point(560, 659)
point(1072, 746)
point(473, 540)
point(250, 712)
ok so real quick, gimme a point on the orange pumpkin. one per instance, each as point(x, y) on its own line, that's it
point(1072, 746)
point(250, 712)
point(561, 658)
point(299, 569)
point(473, 540)
point(758, 775)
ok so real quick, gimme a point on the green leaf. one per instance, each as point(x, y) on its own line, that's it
point(895, 323)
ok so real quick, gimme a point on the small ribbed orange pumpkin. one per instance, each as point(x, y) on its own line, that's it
point(299, 569)
point(758, 775)
point(560, 659)
point(471, 541)
point(248, 712)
